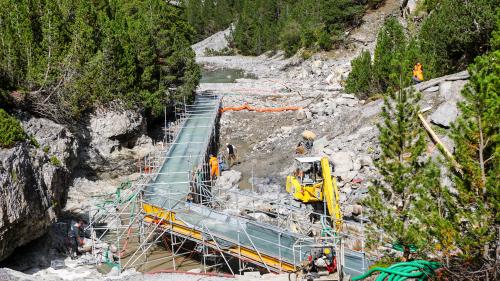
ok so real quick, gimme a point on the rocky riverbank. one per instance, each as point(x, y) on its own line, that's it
point(345, 125)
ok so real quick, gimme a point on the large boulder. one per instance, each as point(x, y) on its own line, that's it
point(228, 179)
point(115, 135)
point(319, 145)
point(450, 90)
point(446, 114)
point(343, 163)
point(112, 130)
point(34, 177)
point(54, 139)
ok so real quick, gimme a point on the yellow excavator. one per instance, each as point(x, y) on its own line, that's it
point(312, 182)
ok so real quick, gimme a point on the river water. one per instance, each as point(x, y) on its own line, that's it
point(224, 75)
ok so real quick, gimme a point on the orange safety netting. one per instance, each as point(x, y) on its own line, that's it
point(265, 109)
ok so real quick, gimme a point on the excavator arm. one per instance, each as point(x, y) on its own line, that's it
point(331, 195)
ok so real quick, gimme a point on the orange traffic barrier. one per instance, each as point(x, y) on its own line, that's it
point(265, 109)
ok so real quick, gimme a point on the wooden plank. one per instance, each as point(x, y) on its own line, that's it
point(439, 143)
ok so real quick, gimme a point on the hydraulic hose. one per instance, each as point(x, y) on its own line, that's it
point(419, 269)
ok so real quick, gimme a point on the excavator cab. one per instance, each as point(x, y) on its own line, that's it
point(312, 182)
point(306, 183)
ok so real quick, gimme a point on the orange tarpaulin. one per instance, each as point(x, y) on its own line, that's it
point(265, 109)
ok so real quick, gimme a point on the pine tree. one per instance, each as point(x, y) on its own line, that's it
point(360, 79)
point(391, 41)
point(52, 45)
point(477, 136)
point(396, 200)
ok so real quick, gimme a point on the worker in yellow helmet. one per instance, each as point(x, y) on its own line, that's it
point(418, 73)
point(214, 166)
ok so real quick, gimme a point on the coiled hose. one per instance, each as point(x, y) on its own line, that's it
point(419, 269)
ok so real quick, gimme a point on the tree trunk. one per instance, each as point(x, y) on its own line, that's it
point(481, 152)
point(406, 253)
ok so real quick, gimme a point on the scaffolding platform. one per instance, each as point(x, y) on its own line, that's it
point(174, 199)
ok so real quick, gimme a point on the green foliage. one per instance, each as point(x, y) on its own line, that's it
point(306, 54)
point(54, 161)
point(477, 137)
point(360, 79)
point(5, 98)
point(401, 203)
point(264, 25)
point(290, 39)
point(257, 26)
point(438, 222)
point(46, 149)
point(33, 141)
point(210, 16)
point(495, 35)
point(13, 175)
point(324, 40)
point(430, 5)
point(449, 39)
point(391, 44)
point(223, 52)
point(72, 55)
point(11, 130)
point(298, 24)
point(392, 65)
point(456, 32)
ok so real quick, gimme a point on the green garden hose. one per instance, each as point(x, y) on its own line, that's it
point(419, 269)
point(108, 261)
point(399, 247)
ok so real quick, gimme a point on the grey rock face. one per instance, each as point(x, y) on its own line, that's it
point(432, 89)
point(450, 90)
point(319, 145)
point(346, 101)
point(446, 114)
point(113, 133)
point(228, 179)
point(54, 139)
point(216, 42)
point(111, 130)
point(343, 163)
point(407, 7)
point(7, 274)
point(33, 182)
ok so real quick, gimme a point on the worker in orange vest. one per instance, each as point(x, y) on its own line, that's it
point(214, 166)
point(418, 73)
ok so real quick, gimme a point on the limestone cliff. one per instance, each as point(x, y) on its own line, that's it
point(33, 181)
